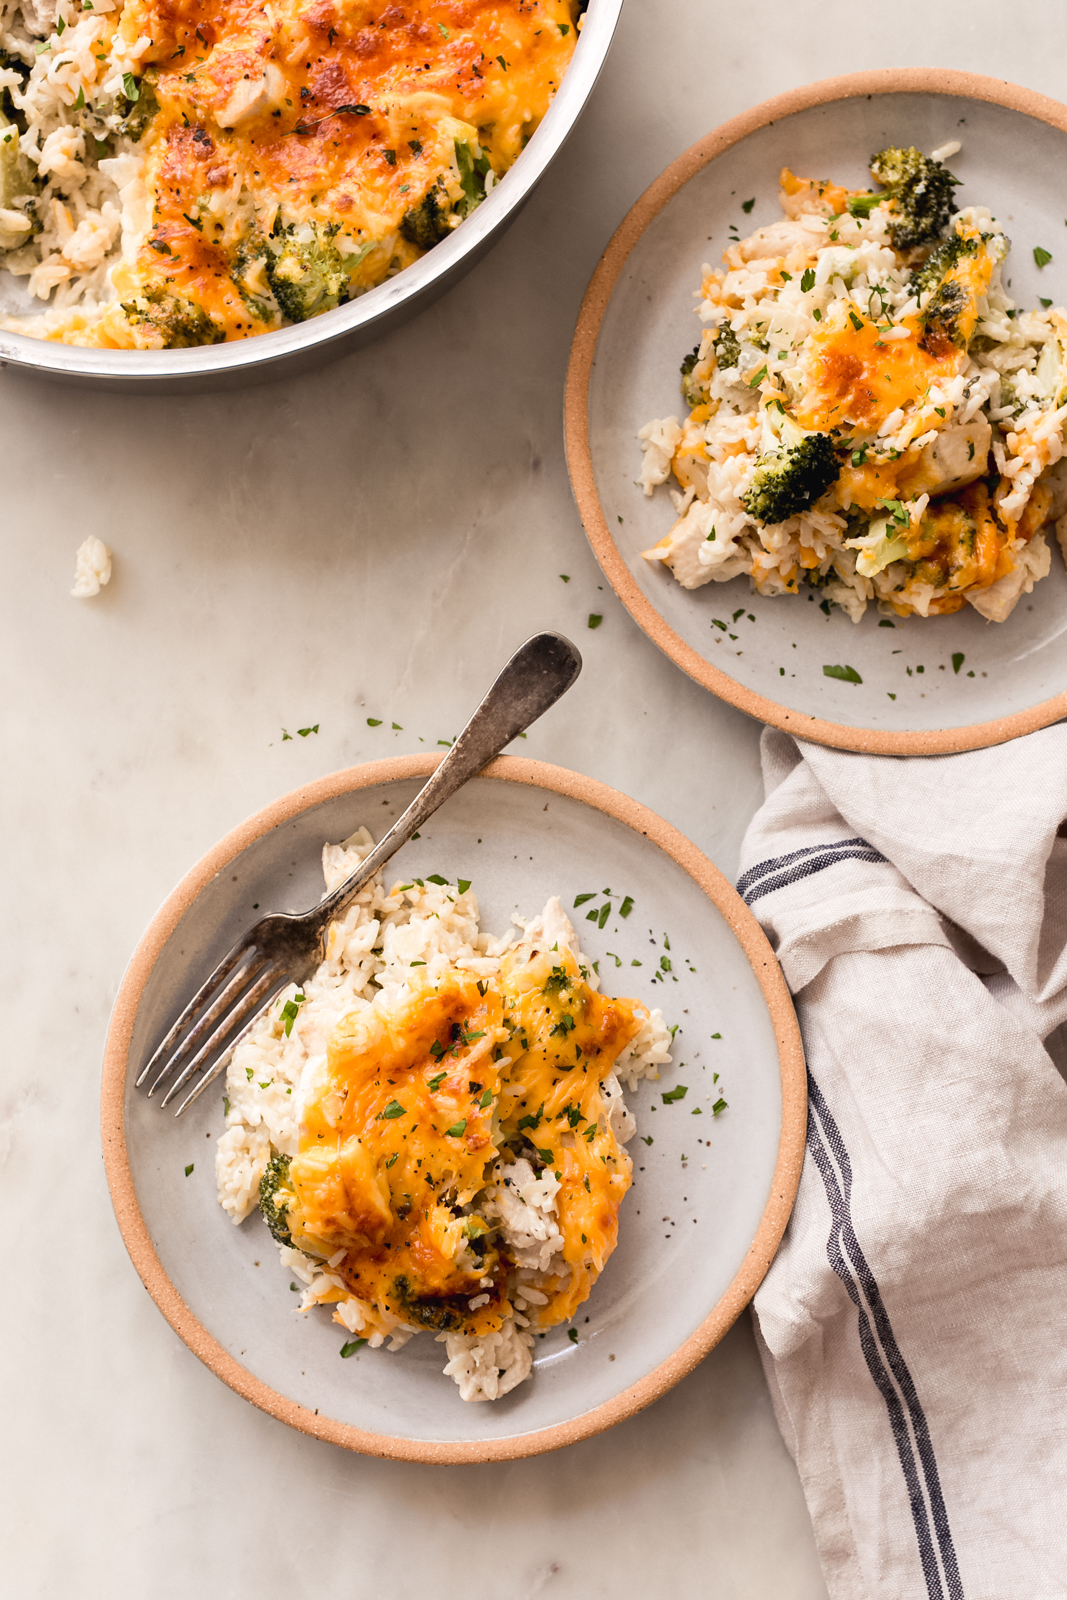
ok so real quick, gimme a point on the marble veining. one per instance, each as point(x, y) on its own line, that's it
point(366, 542)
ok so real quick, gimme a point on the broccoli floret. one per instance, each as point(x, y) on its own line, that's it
point(922, 194)
point(306, 278)
point(180, 322)
point(138, 111)
point(790, 478)
point(473, 170)
point(436, 215)
point(951, 300)
point(275, 1198)
point(428, 223)
point(694, 389)
point(941, 261)
point(941, 317)
point(16, 175)
point(441, 1312)
point(727, 347)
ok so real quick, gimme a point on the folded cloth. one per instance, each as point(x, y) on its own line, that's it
point(913, 1325)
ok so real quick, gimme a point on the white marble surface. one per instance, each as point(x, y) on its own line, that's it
point(368, 541)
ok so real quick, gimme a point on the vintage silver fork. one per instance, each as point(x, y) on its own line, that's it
point(284, 948)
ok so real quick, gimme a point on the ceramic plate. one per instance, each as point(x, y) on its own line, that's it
point(638, 321)
point(520, 832)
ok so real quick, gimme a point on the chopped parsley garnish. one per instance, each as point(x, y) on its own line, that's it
point(861, 205)
point(679, 1092)
point(463, 884)
point(605, 913)
point(857, 322)
point(415, 147)
point(594, 620)
point(458, 1129)
point(572, 1334)
point(746, 205)
point(189, 1168)
point(351, 1347)
point(390, 156)
point(807, 280)
point(545, 1155)
point(626, 907)
point(437, 1049)
point(435, 877)
point(646, 1138)
point(579, 900)
point(303, 732)
point(132, 90)
point(393, 1110)
point(392, 1160)
point(287, 1015)
point(374, 722)
point(1042, 257)
point(436, 1081)
point(754, 383)
point(958, 659)
point(486, 1100)
point(846, 674)
point(720, 1105)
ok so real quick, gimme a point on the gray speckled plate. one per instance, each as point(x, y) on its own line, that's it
point(726, 1182)
point(638, 321)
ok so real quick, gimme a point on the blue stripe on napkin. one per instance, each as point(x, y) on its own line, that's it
point(779, 873)
point(882, 1354)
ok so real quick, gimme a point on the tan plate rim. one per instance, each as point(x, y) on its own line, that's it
point(753, 942)
point(882, 81)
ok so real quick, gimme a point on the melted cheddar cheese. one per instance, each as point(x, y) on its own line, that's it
point(416, 1103)
point(854, 378)
point(298, 153)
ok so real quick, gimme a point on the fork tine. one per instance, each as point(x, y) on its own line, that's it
point(246, 969)
point(227, 1055)
point(249, 1001)
point(175, 1031)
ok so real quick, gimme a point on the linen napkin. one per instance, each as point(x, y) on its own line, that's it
point(913, 1325)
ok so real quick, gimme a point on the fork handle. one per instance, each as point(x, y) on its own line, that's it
point(540, 671)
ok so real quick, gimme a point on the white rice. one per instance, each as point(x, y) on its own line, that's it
point(92, 568)
point(368, 957)
point(84, 205)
